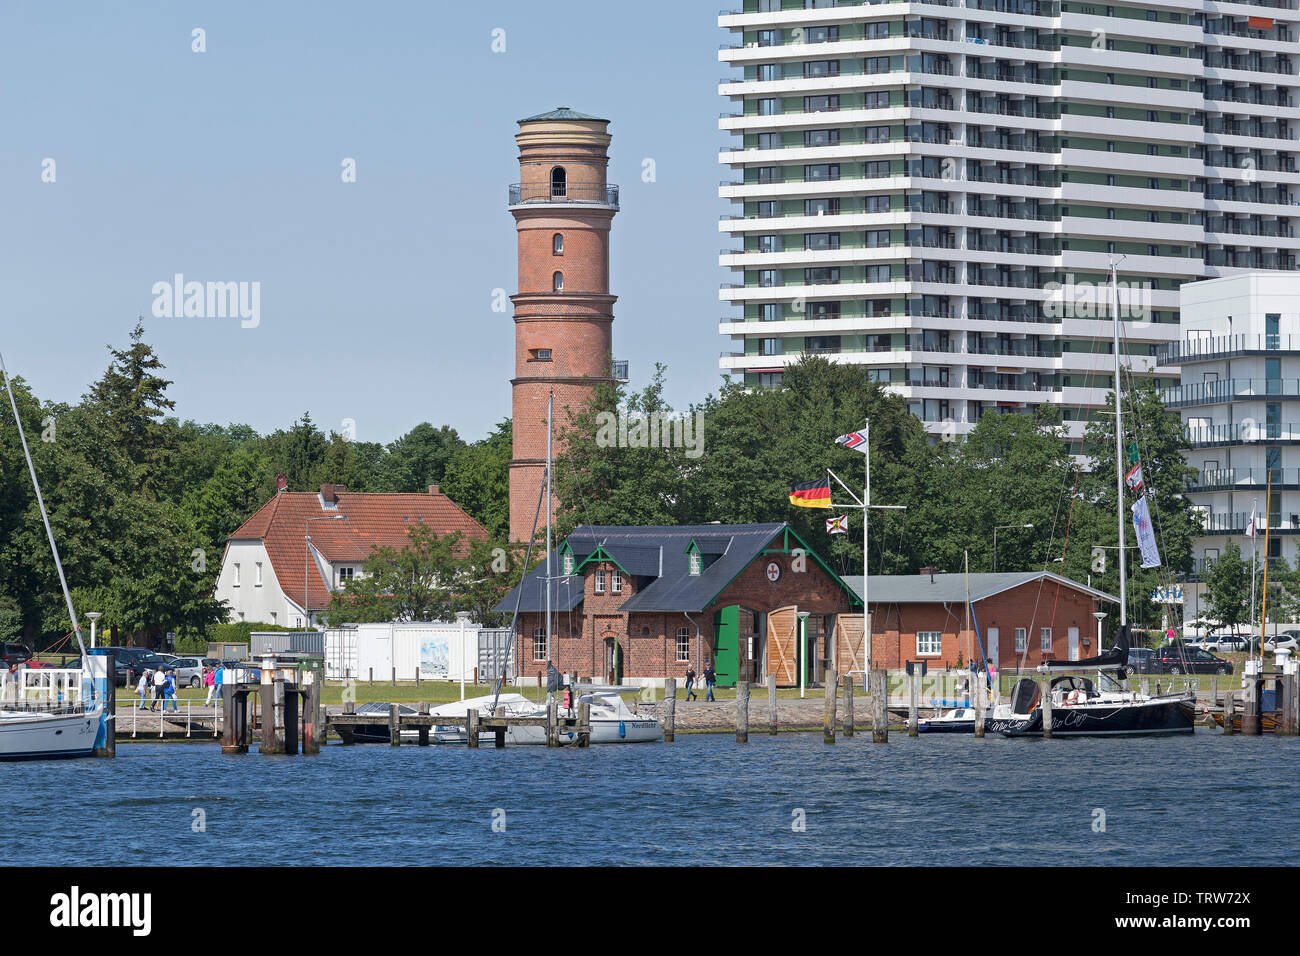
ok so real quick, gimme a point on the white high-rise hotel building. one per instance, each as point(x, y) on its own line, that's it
point(911, 179)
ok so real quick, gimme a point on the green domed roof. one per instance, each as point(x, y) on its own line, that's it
point(562, 113)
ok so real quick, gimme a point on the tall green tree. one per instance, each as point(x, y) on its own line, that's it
point(478, 479)
point(1227, 586)
point(414, 583)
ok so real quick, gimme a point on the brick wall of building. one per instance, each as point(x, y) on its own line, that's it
point(649, 641)
point(894, 627)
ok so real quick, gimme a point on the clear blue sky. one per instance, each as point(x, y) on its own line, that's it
point(376, 296)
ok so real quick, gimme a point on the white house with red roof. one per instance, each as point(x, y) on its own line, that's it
point(314, 543)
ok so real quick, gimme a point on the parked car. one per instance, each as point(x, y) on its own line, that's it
point(1178, 658)
point(188, 670)
point(1287, 640)
point(16, 654)
point(1139, 659)
point(121, 672)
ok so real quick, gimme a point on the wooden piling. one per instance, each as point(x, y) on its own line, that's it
point(394, 726)
point(311, 729)
point(979, 691)
point(423, 730)
point(499, 733)
point(230, 721)
point(848, 705)
point(471, 728)
point(670, 709)
point(1229, 712)
point(584, 724)
point(1047, 707)
point(1251, 725)
point(1214, 689)
point(879, 706)
point(552, 723)
point(914, 702)
point(289, 711)
point(771, 704)
point(742, 712)
point(832, 682)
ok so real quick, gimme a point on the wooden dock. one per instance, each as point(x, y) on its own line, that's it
point(346, 724)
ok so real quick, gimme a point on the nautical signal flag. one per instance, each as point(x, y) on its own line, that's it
point(853, 440)
point(1133, 453)
point(811, 494)
point(839, 524)
point(1251, 530)
point(1134, 478)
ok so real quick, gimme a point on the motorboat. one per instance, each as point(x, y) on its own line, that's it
point(959, 720)
point(612, 722)
point(515, 705)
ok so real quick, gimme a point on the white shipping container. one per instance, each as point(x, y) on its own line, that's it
point(436, 651)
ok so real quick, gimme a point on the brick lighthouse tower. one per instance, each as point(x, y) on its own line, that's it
point(563, 209)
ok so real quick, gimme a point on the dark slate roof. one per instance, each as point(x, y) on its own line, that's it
point(657, 555)
point(562, 113)
point(951, 588)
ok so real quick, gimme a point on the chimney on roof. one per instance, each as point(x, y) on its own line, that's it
point(330, 493)
point(433, 490)
point(929, 571)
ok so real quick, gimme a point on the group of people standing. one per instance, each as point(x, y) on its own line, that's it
point(161, 683)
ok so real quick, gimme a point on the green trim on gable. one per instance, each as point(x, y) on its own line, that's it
point(600, 554)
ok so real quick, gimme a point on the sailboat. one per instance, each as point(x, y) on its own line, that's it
point(1106, 707)
point(49, 713)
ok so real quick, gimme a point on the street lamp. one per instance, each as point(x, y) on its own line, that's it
point(1100, 616)
point(306, 568)
point(1003, 527)
point(94, 616)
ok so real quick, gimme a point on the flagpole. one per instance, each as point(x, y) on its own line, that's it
point(866, 519)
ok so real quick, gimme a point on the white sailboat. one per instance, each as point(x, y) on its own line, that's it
point(49, 713)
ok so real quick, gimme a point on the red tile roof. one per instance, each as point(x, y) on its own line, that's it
point(373, 520)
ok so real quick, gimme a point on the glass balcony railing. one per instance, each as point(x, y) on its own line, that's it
point(1229, 479)
point(524, 193)
point(1224, 346)
point(1230, 390)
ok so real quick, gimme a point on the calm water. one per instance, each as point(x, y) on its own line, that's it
point(701, 800)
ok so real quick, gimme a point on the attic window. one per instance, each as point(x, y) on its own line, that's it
point(568, 562)
point(695, 562)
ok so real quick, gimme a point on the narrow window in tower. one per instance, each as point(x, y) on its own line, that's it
point(559, 183)
point(557, 244)
point(539, 355)
point(557, 282)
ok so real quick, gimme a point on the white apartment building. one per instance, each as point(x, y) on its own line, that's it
point(1239, 351)
point(915, 184)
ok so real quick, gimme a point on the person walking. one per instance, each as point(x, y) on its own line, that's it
point(710, 678)
point(169, 691)
point(218, 678)
point(142, 688)
point(210, 682)
point(690, 683)
point(159, 682)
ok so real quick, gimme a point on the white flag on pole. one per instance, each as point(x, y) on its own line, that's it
point(1145, 534)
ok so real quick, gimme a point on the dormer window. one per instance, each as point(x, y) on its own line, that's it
point(695, 562)
point(568, 562)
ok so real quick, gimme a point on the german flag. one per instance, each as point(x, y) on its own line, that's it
point(811, 494)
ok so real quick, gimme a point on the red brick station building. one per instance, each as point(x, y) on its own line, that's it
point(640, 604)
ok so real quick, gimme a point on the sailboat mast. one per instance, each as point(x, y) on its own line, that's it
point(40, 501)
point(866, 519)
point(550, 407)
point(1119, 448)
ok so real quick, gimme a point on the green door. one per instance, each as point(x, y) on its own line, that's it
point(726, 627)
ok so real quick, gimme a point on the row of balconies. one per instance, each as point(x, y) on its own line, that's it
point(1236, 433)
point(1245, 479)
